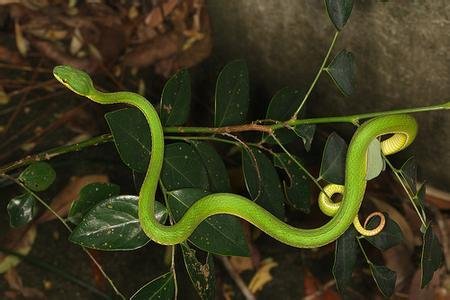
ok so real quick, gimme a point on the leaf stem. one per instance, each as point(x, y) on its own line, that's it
point(313, 84)
point(396, 173)
point(358, 239)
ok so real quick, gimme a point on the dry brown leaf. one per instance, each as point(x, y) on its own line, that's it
point(19, 240)
point(63, 200)
point(262, 276)
point(15, 283)
point(241, 264)
point(159, 48)
point(4, 98)
point(22, 44)
point(158, 14)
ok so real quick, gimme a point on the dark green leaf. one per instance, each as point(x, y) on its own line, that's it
point(113, 224)
point(262, 181)
point(296, 189)
point(390, 236)
point(409, 173)
point(89, 196)
point(219, 180)
point(183, 168)
point(162, 288)
point(201, 275)
point(375, 162)
point(176, 99)
point(38, 176)
point(220, 234)
point(432, 256)
point(231, 99)
point(346, 251)
point(281, 108)
point(21, 210)
point(306, 133)
point(384, 278)
point(342, 71)
point(332, 168)
point(339, 11)
point(131, 136)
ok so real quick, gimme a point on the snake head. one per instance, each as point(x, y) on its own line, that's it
point(75, 79)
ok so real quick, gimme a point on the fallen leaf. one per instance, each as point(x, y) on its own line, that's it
point(158, 14)
point(241, 264)
point(262, 276)
point(63, 200)
point(21, 42)
point(19, 240)
point(15, 283)
point(4, 98)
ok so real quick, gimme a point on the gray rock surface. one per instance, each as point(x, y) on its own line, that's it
point(402, 52)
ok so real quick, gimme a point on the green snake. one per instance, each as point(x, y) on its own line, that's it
point(402, 127)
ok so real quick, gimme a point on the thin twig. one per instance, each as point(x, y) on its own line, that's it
point(237, 279)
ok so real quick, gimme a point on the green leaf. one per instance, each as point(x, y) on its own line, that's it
point(342, 71)
point(262, 181)
point(346, 251)
point(183, 168)
point(375, 162)
point(21, 210)
point(131, 137)
point(113, 224)
point(201, 275)
point(281, 108)
point(432, 256)
point(176, 100)
point(332, 168)
point(339, 11)
point(384, 278)
point(219, 180)
point(296, 189)
point(38, 176)
point(231, 99)
point(89, 196)
point(306, 133)
point(409, 174)
point(162, 287)
point(390, 236)
point(219, 234)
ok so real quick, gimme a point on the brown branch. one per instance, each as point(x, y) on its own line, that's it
point(242, 128)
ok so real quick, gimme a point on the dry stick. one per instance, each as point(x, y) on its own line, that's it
point(237, 279)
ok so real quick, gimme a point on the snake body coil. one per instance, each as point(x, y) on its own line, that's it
point(403, 128)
